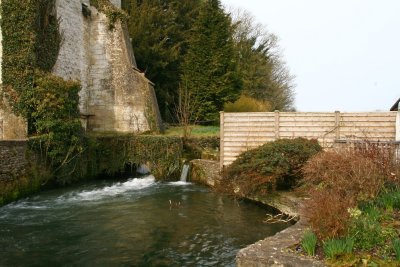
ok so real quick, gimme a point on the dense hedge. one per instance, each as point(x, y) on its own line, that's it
point(275, 165)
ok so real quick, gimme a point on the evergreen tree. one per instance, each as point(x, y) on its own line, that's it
point(159, 30)
point(209, 67)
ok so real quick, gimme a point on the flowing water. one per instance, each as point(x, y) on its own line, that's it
point(134, 223)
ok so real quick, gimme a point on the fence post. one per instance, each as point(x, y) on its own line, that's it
point(221, 140)
point(397, 132)
point(337, 124)
point(277, 134)
point(398, 124)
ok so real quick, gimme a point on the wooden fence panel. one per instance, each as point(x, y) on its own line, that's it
point(244, 131)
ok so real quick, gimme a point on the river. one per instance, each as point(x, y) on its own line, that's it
point(135, 222)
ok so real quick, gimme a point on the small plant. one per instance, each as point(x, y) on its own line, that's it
point(396, 248)
point(335, 247)
point(309, 242)
point(367, 230)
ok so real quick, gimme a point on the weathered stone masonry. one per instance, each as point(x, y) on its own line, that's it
point(115, 96)
point(13, 162)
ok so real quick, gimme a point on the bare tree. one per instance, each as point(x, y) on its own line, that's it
point(264, 72)
point(185, 110)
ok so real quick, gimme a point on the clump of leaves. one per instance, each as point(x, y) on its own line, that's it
point(336, 247)
point(309, 242)
point(275, 165)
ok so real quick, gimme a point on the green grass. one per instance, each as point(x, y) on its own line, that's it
point(196, 131)
point(335, 247)
point(396, 248)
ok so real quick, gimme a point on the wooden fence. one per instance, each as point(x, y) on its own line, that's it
point(243, 131)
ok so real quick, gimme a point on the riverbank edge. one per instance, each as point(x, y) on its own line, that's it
point(271, 251)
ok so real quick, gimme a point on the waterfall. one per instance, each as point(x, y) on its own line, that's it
point(185, 172)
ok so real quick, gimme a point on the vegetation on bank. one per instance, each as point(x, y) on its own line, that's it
point(353, 205)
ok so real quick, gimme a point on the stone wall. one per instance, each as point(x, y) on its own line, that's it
point(115, 96)
point(12, 159)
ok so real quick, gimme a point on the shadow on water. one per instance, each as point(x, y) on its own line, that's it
point(135, 222)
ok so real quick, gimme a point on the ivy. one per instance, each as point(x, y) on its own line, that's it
point(18, 50)
point(113, 156)
point(31, 42)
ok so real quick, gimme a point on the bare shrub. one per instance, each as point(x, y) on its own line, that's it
point(340, 180)
point(351, 174)
point(326, 211)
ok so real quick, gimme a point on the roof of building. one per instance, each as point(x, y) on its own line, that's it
point(395, 107)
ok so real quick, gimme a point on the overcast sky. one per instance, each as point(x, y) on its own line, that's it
point(345, 54)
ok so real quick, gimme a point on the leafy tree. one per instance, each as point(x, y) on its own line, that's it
point(209, 68)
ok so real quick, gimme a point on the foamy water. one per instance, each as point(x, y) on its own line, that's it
point(110, 191)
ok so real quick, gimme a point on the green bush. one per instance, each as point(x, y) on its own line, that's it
point(272, 166)
point(309, 242)
point(336, 247)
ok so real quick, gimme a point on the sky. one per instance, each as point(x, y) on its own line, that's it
point(345, 54)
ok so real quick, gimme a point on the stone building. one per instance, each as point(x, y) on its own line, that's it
point(115, 95)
